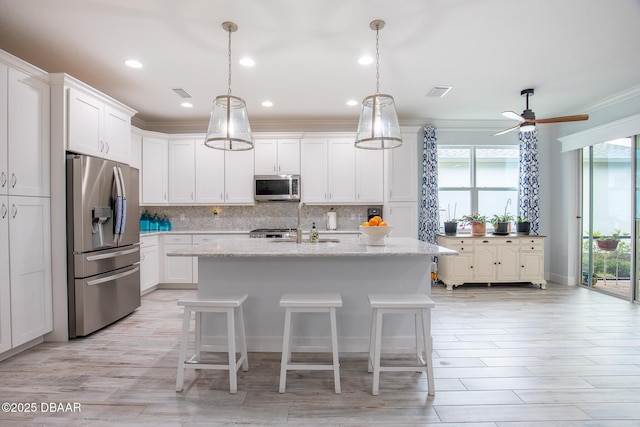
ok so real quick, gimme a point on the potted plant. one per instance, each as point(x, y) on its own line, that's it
point(522, 226)
point(608, 243)
point(451, 225)
point(501, 223)
point(477, 222)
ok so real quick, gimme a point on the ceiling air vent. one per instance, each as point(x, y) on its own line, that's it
point(181, 92)
point(438, 91)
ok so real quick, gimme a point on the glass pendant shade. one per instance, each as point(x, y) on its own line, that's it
point(378, 128)
point(229, 127)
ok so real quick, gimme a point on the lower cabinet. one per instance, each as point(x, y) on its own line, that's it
point(26, 307)
point(492, 259)
point(149, 263)
point(177, 269)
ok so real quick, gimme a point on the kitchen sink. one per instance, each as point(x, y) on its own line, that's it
point(306, 240)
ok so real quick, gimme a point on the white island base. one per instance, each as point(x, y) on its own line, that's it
point(350, 268)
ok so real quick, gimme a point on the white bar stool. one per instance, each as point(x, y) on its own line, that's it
point(309, 303)
point(420, 306)
point(228, 304)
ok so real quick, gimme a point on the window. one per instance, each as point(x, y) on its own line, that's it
point(477, 179)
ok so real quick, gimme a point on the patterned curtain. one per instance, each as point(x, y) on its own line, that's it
point(529, 188)
point(429, 215)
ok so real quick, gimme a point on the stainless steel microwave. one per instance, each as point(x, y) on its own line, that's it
point(277, 187)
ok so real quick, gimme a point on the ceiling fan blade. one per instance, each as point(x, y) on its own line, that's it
point(576, 118)
point(507, 130)
point(513, 116)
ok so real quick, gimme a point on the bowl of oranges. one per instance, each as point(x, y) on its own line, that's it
point(376, 230)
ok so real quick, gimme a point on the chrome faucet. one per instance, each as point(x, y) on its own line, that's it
point(299, 227)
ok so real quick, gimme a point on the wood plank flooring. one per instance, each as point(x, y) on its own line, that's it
point(504, 356)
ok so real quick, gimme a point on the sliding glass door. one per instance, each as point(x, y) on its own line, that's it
point(607, 212)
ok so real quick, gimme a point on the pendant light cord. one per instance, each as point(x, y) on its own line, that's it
point(377, 59)
point(229, 61)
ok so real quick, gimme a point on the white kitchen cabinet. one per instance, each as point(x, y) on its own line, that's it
point(4, 143)
point(30, 268)
point(277, 156)
point(238, 177)
point(342, 171)
point(24, 168)
point(209, 174)
point(177, 269)
point(149, 263)
point(492, 259)
point(369, 176)
point(182, 174)
point(333, 171)
point(404, 218)
point(402, 172)
point(155, 171)
point(98, 128)
point(136, 149)
point(313, 171)
point(5, 284)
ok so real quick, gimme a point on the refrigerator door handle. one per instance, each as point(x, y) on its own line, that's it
point(123, 224)
point(112, 254)
point(113, 277)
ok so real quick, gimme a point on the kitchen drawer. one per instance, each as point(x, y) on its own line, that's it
point(531, 246)
point(204, 239)
point(174, 239)
point(484, 242)
point(507, 241)
point(466, 248)
point(149, 241)
point(447, 241)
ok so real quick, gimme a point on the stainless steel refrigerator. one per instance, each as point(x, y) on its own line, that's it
point(103, 243)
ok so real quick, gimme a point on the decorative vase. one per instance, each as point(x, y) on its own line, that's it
point(478, 229)
point(450, 228)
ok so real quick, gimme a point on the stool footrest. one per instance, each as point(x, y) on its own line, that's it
point(306, 367)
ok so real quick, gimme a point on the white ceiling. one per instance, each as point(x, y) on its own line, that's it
point(573, 52)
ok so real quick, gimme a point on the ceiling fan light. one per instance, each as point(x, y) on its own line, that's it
point(229, 125)
point(378, 128)
point(527, 127)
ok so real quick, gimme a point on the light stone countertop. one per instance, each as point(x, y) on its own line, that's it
point(348, 246)
point(237, 232)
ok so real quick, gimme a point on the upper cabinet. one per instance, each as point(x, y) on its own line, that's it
point(155, 171)
point(277, 157)
point(24, 135)
point(333, 171)
point(97, 125)
point(402, 168)
point(182, 177)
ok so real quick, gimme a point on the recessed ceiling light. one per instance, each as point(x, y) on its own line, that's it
point(352, 102)
point(133, 63)
point(247, 62)
point(186, 105)
point(365, 60)
point(267, 104)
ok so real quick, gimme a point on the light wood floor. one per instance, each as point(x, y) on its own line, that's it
point(504, 356)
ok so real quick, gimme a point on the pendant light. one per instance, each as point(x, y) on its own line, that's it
point(378, 128)
point(229, 124)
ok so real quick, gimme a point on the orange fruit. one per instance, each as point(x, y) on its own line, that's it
point(365, 224)
point(383, 224)
point(374, 221)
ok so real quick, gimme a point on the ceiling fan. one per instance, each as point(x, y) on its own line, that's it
point(527, 120)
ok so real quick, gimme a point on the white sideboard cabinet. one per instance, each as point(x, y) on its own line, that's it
point(492, 259)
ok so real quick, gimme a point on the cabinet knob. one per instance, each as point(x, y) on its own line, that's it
point(471, 266)
point(107, 146)
point(462, 249)
point(3, 179)
point(5, 211)
point(522, 266)
point(485, 241)
point(101, 146)
point(495, 263)
point(509, 241)
point(14, 210)
point(14, 180)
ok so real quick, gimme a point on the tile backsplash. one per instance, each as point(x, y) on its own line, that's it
point(262, 215)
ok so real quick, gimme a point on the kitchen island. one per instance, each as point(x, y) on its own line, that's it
point(267, 268)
